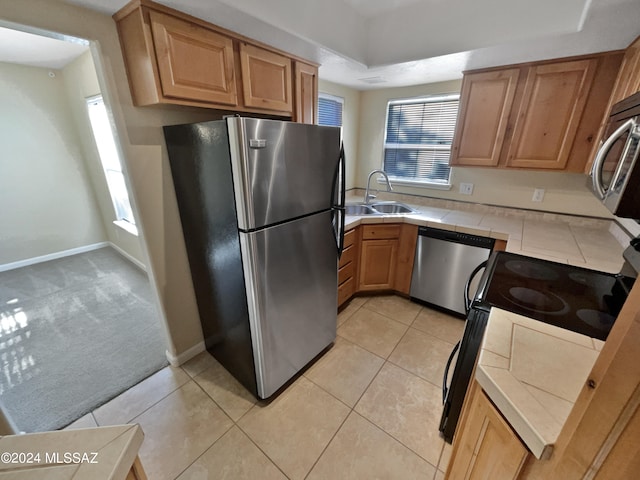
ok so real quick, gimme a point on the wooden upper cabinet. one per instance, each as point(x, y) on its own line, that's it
point(544, 115)
point(175, 58)
point(266, 79)
point(485, 104)
point(553, 101)
point(193, 62)
point(628, 81)
point(306, 93)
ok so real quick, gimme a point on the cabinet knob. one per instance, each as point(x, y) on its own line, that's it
point(591, 383)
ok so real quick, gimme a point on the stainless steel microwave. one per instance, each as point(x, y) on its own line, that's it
point(615, 174)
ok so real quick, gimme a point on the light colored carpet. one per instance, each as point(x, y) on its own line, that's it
point(74, 333)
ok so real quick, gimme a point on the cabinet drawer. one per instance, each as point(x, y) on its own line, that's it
point(345, 273)
point(348, 255)
point(346, 290)
point(376, 232)
point(349, 238)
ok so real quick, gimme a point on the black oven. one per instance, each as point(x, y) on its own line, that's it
point(585, 301)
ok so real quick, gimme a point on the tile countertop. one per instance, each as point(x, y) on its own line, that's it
point(533, 373)
point(581, 241)
point(90, 453)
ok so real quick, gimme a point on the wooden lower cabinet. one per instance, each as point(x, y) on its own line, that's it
point(377, 258)
point(348, 266)
point(378, 264)
point(485, 446)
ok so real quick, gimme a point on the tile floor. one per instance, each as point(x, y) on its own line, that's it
point(369, 408)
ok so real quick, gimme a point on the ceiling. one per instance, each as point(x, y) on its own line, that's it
point(386, 43)
point(38, 51)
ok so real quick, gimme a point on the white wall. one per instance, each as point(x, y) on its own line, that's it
point(350, 124)
point(81, 82)
point(141, 137)
point(46, 203)
point(564, 192)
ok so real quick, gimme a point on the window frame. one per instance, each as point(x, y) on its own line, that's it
point(128, 224)
point(432, 98)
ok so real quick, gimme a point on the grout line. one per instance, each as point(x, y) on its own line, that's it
point(130, 420)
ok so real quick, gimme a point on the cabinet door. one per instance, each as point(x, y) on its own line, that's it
point(628, 81)
point(485, 446)
point(485, 104)
point(406, 255)
point(194, 63)
point(306, 79)
point(553, 100)
point(266, 79)
point(378, 264)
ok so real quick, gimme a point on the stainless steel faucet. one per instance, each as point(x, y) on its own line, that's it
point(367, 195)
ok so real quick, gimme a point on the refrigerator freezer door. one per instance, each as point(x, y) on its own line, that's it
point(291, 284)
point(281, 170)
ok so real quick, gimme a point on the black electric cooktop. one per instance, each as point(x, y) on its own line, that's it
point(585, 301)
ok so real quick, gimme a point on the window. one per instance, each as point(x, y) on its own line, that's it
point(417, 144)
point(110, 159)
point(330, 110)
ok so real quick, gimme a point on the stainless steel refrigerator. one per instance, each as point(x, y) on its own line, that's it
point(262, 210)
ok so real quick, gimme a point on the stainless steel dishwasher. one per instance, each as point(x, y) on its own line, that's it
point(444, 261)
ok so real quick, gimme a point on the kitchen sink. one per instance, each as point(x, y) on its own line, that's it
point(378, 208)
point(359, 210)
point(392, 207)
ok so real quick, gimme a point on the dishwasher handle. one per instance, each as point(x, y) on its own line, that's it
point(467, 286)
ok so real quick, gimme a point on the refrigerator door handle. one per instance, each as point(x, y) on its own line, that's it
point(445, 388)
point(338, 197)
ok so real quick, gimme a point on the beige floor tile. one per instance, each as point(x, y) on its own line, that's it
point(406, 407)
point(422, 354)
point(350, 309)
point(225, 390)
point(179, 429)
point(439, 475)
point(360, 450)
point(440, 325)
point(445, 457)
point(294, 428)
point(373, 332)
point(233, 457)
point(140, 397)
point(198, 364)
point(395, 307)
point(86, 421)
point(345, 371)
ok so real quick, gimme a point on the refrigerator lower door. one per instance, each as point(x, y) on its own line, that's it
point(291, 284)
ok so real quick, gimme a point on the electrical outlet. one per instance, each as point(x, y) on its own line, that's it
point(538, 195)
point(466, 188)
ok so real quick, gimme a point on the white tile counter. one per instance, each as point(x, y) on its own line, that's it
point(90, 453)
point(533, 372)
point(580, 241)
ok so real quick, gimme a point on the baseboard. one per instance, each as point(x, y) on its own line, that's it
point(185, 356)
point(129, 257)
point(52, 256)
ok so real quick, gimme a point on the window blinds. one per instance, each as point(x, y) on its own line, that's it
point(418, 138)
point(329, 111)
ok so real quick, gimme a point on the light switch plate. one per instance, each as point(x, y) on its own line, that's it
point(466, 188)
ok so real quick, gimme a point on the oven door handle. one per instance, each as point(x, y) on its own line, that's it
point(467, 286)
point(445, 389)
